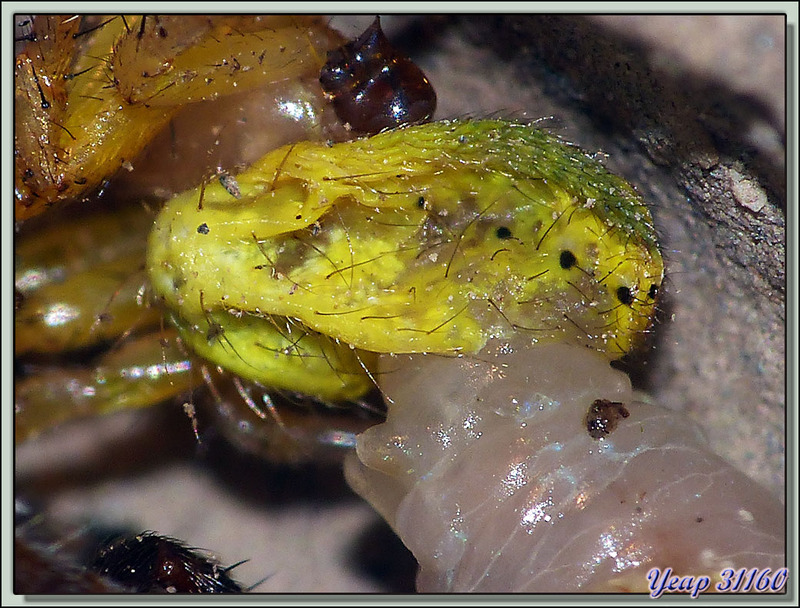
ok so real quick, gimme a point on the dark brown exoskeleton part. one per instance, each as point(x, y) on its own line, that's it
point(603, 417)
point(373, 87)
point(150, 563)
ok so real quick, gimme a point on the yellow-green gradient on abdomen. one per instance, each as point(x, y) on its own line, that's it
point(430, 238)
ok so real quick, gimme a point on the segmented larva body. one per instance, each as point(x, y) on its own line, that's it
point(430, 238)
point(491, 470)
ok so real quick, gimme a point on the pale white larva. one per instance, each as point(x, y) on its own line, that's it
point(488, 471)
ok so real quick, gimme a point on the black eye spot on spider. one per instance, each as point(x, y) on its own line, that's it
point(202, 228)
point(149, 563)
point(625, 296)
point(653, 291)
point(421, 202)
point(567, 259)
point(603, 417)
point(503, 233)
point(373, 87)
